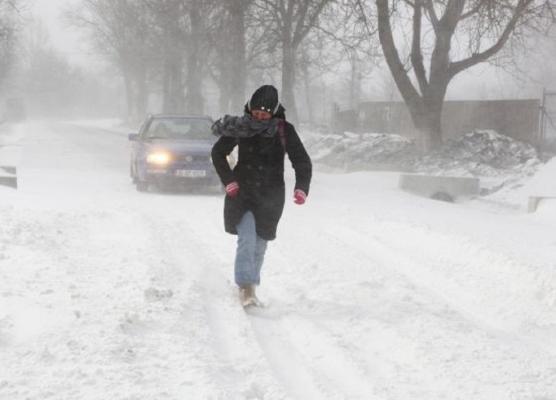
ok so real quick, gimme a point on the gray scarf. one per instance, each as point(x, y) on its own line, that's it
point(245, 126)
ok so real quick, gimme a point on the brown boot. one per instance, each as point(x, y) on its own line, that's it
point(247, 296)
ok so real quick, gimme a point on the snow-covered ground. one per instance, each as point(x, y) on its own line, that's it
point(371, 293)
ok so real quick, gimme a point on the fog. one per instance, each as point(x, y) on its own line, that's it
point(54, 35)
point(394, 204)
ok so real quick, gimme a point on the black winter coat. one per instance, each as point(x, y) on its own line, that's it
point(260, 174)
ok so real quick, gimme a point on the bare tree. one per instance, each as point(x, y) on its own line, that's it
point(339, 45)
point(9, 21)
point(218, 65)
point(197, 53)
point(169, 36)
point(185, 42)
point(291, 21)
point(122, 31)
point(243, 49)
point(237, 10)
point(353, 42)
point(452, 35)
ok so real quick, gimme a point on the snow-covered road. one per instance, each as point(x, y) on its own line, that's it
point(371, 293)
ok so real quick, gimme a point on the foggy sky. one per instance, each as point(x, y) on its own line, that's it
point(66, 39)
point(481, 82)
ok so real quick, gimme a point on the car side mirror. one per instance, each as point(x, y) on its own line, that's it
point(134, 137)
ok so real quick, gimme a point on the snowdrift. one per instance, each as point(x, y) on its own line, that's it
point(481, 153)
point(365, 151)
point(499, 160)
point(541, 184)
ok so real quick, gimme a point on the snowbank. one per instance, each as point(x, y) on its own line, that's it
point(541, 184)
point(481, 153)
point(498, 160)
point(365, 151)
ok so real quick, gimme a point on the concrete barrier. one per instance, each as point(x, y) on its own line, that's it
point(534, 202)
point(445, 188)
point(8, 176)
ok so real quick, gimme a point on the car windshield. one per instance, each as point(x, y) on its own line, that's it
point(179, 128)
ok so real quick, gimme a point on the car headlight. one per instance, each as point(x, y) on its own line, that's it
point(159, 158)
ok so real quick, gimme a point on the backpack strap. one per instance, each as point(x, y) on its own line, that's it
point(282, 132)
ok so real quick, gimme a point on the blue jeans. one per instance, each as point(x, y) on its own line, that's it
point(249, 253)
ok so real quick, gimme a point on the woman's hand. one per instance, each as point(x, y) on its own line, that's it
point(232, 189)
point(299, 196)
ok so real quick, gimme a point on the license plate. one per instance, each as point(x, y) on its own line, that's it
point(191, 173)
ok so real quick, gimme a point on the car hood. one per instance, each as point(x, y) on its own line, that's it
point(182, 146)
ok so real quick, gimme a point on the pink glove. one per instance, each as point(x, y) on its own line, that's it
point(299, 196)
point(232, 189)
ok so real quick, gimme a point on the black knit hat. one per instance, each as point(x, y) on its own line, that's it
point(265, 98)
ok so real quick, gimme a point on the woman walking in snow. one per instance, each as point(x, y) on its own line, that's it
point(255, 189)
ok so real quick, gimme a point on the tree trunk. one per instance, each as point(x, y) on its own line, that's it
point(166, 96)
point(173, 100)
point(128, 84)
point(224, 96)
point(194, 102)
point(238, 68)
point(308, 93)
point(288, 80)
point(425, 107)
point(426, 115)
point(429, 126)
point(142, 95)
point(354, 83)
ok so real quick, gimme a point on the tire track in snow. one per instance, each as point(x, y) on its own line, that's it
point(333, 363)
point(303, 369)
point(219, 310)
point(304, 374)
point(307, 358)
point(445, 317)
point(196, 293)
point(386, 353)
point(407, 262)
point(240, 367)
point(287, 362)
point(178, 262)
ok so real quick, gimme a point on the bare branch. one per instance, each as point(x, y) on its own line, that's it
point(392, 56)
point(451, 16)
point(313, 18)
point(429, 6)
point(416, 54)
point(300, 20)
point(370, 31)
point(456, 67)
point(472, 11)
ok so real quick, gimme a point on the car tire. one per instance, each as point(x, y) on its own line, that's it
point(161, 186)
point(442, 196)
point(141, 186)
point(132, 173)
